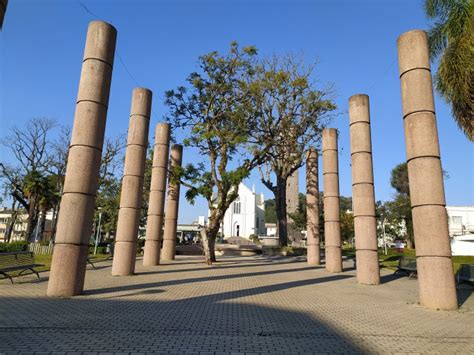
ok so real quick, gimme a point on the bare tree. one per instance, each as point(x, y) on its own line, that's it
point(29, 146)
point(292, 115)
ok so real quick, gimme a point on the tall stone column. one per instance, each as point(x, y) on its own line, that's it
point(312, 208)
point(3, 9)
point(433, 251)
point(332, 218)
point(363, 196)
point(151, 256)
point(172, 205)
point(80, 186)
point(131, 197)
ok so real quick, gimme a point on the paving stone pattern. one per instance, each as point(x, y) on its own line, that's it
point(252, 305)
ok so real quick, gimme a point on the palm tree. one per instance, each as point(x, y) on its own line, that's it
point(451, 39)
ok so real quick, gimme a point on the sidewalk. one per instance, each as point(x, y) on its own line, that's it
point(240, 305)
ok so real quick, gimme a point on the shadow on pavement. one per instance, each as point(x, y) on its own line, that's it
point(204, 323)
point(194, 280)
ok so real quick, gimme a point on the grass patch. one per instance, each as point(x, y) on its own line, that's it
point(390, 261)
point(46, 261)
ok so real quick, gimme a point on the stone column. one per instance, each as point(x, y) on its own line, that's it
point(172, 204)
point(433, 251)
point(131, 197)
point(332, 218)
point(363, 196)
point(151, 256)
point(312, 208)
point(3, 9)
point(75, 219)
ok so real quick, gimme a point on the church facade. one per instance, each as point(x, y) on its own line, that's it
point(246, 216)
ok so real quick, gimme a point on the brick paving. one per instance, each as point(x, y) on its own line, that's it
point(252, 305)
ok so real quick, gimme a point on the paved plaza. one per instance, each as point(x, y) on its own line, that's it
point(240, 305)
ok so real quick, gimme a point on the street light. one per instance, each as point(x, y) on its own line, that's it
point(97, 236)
point(383, 235)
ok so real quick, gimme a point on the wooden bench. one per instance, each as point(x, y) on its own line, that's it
point(14, 261)
point(407, 265)
point(466, 273)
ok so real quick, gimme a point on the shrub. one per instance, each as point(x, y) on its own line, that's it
point(14, 246)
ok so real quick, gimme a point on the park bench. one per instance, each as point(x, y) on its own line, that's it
point(466, 273)
point(89, 261)
point(406, 265)
point(15, 261)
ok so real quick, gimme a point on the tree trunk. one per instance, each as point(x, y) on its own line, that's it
point(205, 247)
point(280, 206)
point(11, 226)
point(54, 222)
point(42, 225)
point(32, 221)
point(208, 236)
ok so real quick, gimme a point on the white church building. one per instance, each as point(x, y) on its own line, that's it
point(246, 215)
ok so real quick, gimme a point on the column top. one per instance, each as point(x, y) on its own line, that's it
point(413, 51)
point(162, 133)
point(141, 102)
point(359, 108)
point(100, 42)
point(329, 139)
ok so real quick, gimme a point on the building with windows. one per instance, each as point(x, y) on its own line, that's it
point(461, 220)
point(246, 215)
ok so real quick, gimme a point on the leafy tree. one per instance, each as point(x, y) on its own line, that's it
point(451, 39)
point(300, 216)
point(27, 181)
point(270, 212)
point(146, 188)
point(347, 225)
point(216, 112)
point(291, 115)
point(398, 211)
point(108, 193)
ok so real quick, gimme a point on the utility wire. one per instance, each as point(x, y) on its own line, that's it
point(122, 62)
point(382, 76)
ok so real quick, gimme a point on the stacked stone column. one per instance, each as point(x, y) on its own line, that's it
point(172, 205)
point(151, 256)
point(332, 218)
point(433, 252)
point(80, 187)
point(363, 196)
point(125, 249)
point(312, 208)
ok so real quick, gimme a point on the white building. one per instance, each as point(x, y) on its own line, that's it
point(246, 215)
point(460, 219)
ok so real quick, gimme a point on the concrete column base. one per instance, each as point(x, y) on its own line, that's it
point(436, 283)
point(367, 264)
point(151, 255)
point(313, 255)
point(168, 251)
point(125, 254)
point(68, 270)
point(333, 258)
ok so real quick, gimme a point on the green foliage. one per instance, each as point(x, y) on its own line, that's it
point(270, 212)
point(300, 216)
point(451, 39)
point(216, 114)
point(399, 179)
point(291, 112)
point(397, 213)
point(347, 226)
point(14, 246)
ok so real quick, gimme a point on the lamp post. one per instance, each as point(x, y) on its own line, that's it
point(383, 235)
point(97, 236)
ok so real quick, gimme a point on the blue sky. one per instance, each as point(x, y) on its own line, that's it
point(354, 43)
